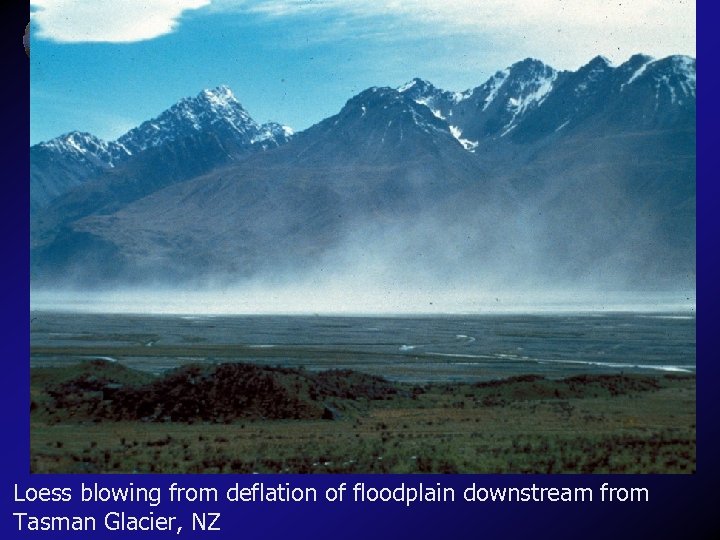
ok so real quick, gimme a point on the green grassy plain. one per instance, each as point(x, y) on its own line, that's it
point(100, 417)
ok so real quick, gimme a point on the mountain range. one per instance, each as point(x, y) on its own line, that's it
point(536, 176)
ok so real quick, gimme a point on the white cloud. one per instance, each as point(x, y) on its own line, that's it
point(114, 21)
point(565, 33)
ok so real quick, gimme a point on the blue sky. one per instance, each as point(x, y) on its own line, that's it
point(104, 66)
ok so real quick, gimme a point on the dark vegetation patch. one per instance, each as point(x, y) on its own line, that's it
point(535, 387)
point(220, 393)
point(79, 389)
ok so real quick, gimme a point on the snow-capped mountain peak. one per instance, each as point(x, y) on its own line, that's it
point(272, 134)
point(603, 59)
point(215, 111)
point(67, 161)
point(684, 68)
point(527, 85)
point(220, 94)
point(212, 110)
point(636, 66)
point(213, 126)
point(83, 146)
point(425, 93)
point(509, 94)
point(386, 114)
point(414, 83)
point(673, 77)
point(506, 97)
point(223, 102)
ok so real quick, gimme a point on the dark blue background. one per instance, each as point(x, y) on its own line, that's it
point(679, 507)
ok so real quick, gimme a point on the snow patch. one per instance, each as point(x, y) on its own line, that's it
point(428, 103)
point(494, 85)
point(684, 67)
point(457, 97)
point(407, 86)
point(593, 75)
point(638, 72)
point(531, 93)
point(466, 143)
point(422, 123)
point(272, 132)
